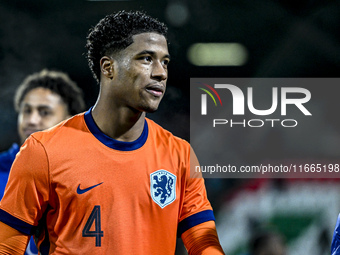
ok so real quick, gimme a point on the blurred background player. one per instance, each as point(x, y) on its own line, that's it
point(42, 100)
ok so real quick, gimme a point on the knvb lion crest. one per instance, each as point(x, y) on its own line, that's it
point(163, 187)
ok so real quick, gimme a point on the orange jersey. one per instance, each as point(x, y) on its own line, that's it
point(81, 192)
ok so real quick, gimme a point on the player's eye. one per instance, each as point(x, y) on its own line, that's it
point(165, 62)
point(45, 112)
point(146, 59)
point(26, 110)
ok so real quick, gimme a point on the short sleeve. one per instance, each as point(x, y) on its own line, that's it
point(27, 191)
point(196, 206)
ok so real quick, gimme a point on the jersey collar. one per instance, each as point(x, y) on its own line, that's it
point(112, 143)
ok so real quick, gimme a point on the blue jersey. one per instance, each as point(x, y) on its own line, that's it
point(335, 248)
point(6, 161)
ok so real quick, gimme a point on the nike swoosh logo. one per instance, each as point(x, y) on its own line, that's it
point(82, 191)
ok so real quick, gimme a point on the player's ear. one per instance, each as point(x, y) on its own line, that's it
point(107, 67)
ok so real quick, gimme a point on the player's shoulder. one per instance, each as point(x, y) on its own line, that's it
point(65, 128)
point(161, 134)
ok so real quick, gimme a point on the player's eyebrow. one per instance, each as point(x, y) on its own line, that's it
point(152, 53)
point(39, 106)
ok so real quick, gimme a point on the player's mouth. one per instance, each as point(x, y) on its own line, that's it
point(29, 131)
point(156, 90)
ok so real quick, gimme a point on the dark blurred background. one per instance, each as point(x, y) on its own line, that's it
point(275, 38)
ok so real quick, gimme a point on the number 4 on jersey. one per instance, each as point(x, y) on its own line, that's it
point(97, 233)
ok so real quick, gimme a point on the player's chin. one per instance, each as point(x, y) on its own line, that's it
point(150, 108)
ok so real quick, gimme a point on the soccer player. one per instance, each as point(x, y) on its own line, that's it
point(110, 180)
point(42, 100)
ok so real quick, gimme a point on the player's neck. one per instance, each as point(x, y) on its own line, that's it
point(121, 124)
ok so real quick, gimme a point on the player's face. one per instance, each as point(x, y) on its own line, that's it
point(40, 109)
point(142, 72)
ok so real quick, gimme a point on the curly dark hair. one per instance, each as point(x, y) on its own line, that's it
point(59, 83)
point(114, 33)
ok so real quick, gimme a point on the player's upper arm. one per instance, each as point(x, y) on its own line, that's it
point(12, 241)
point(197, 221)
point(196, 207)
point(27, 191)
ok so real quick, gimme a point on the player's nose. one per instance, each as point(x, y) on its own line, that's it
point(159, 72)
point(34, 118)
